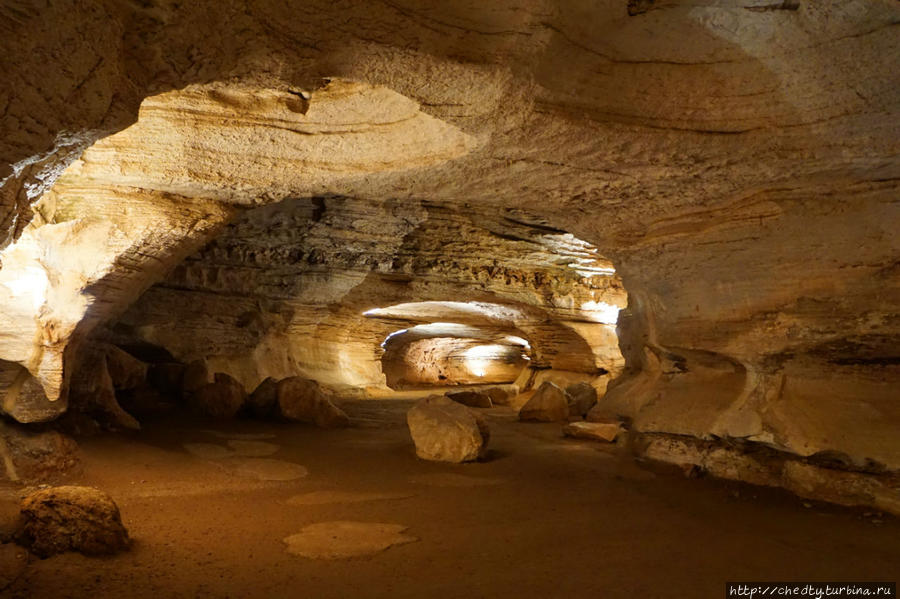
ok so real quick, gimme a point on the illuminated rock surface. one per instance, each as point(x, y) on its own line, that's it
point(295, 184)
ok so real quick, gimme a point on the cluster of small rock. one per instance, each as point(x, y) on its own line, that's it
point(445, 429)
point(110, 375)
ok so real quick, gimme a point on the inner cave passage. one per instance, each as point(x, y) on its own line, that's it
point(370, 306)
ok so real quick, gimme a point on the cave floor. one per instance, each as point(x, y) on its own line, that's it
point(544, 517)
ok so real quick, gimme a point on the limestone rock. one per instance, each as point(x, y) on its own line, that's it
point(500, 396)
point(472, 399)
point(446, 431)
point(581, 397)
point(23, 399)
point(93, 393)
point(197, 375)
point(304, 400)
point(264, 399)
point(125, 371)
point(594, 431)
point(35, 456)
point(548, 404)
point(223, 398)
point(71, 518)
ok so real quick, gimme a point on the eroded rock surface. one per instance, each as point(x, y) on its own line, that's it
point(581, 397)
point(472, 399)
point(548, 404)
point(303, 400)
point(61, 519)
point(446, 431)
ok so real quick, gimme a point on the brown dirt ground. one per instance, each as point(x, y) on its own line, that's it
point(544, 517)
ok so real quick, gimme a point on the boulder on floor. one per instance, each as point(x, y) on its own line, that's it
point(36, 456)
point(222, 398)
point(261, 403)
point(582, 397)
point(473, 399)
point(197, 374)
point(594, 431)
point(71, 518)
point(500, 396)
point(446, 431)
point(548, 404)
point(304, 400)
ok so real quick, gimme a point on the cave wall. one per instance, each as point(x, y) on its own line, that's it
point(321, 287)
point(736, 160)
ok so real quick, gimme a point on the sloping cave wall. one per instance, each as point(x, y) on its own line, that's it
point(736, 160)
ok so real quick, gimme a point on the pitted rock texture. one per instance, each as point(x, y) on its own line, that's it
point(61, 519)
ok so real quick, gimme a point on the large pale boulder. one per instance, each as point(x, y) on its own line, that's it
point(71, 518)
point(473, 399)
point(223, 398)
point(304, 400)
point(446, 431)
point(582, 397)
point(548, 404)
point(23, 399)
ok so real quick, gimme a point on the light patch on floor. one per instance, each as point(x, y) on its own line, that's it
point(207, 451)
point(252, 449)
point(448, 479)
point(344, 539)
point(333, 497)
point(267, 469)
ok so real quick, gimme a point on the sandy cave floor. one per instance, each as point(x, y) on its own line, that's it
point(544, 517)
